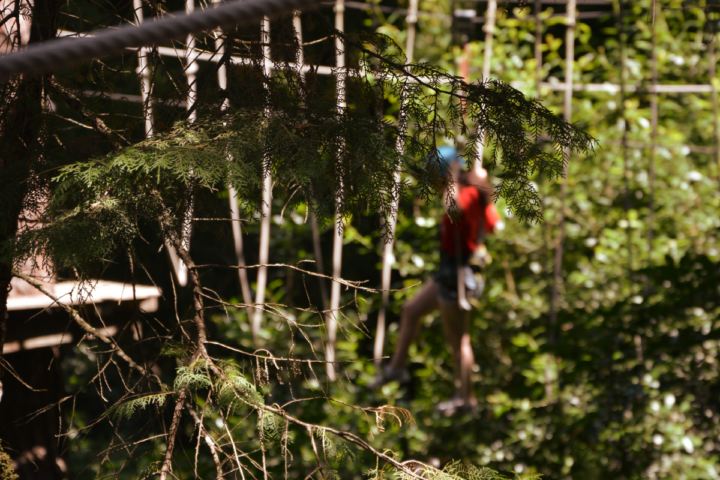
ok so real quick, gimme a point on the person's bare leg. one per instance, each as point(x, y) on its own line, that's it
point(456, 323)
point(423, 303)
point(451, 314)
point(467, 360)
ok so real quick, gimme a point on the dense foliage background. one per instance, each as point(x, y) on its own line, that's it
point(632, 370)
point(623, 385)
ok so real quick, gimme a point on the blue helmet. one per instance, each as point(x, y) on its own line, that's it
point(448, 155)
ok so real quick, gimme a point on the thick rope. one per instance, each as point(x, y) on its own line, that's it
point(54, 54)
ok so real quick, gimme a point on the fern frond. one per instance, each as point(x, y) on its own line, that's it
point(237, 390)
point(273, 427)
point(173, 349)
point(6, 466)
point(150, 471)
point(193, 377)
point(399, 414)
point(126, 409)
point(334, 451)
point(331, 474)
point(454, 470)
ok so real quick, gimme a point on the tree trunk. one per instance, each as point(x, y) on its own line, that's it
point(33, 444)
point(20, 142)
point(22, 189)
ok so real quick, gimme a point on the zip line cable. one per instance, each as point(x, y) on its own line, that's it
point(54, 54)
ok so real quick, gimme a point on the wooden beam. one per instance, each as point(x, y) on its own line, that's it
point(614, 88)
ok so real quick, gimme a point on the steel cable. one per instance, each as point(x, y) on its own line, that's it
point(53, 54)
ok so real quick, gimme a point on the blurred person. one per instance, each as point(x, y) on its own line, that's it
point(462, 253)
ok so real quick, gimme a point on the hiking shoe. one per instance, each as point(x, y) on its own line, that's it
point(401, 375)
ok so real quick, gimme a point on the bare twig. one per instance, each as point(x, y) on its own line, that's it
point(208, 439)
point(96, 123)
point(281, 359)
point(348, 283)
point(309, 429)
point(237, 458)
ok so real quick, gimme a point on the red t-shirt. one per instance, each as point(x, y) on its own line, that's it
point(468, 222)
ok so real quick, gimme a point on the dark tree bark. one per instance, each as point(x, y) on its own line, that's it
point(33, 444)
point(21, 144)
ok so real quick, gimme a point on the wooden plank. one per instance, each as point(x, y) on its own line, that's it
point(614, 88)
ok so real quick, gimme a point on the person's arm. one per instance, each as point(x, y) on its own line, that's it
point(476, 178)
point(493, 222)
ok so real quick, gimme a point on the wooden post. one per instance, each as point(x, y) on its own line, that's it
point(411, 21)
point(550, 363)
point(317, 247)
point(333, 315)
point(144, 71)
point(234, 208)
point(538, 45)
point(190, 70)
point(620, 12)
point(319, 264)
point(146, 91)
point(388, 256)
point(489, 29)
point(654, 133)
point(192, 67)
point(713, 84)
point(569, 63)
point(267, 202)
